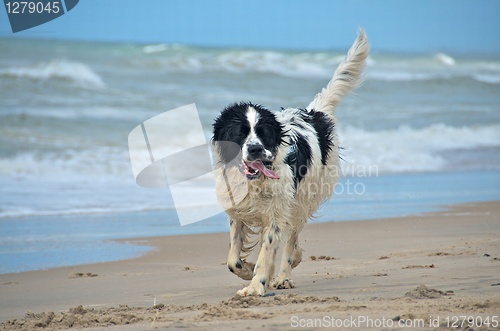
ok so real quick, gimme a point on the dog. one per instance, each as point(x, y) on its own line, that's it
point(274, 171)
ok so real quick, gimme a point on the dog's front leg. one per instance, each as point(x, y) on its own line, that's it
point(264, 268)
point(235, 264)
point(292, 255)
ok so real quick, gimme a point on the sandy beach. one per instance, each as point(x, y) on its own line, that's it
point(383, 274)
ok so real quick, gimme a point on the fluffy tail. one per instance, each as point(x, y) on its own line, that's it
point(346, 77)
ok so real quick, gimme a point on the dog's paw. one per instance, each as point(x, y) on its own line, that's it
point(246, 271)
point(252, 290)
point(283, 283)
point(242, 269)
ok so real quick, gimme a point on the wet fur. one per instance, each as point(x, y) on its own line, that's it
point(303, 147)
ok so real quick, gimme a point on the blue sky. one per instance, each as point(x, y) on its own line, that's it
point(455, 26)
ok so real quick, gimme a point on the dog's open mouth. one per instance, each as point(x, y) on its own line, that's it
point(254, 169)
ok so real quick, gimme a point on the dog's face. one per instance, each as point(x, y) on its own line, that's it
point(253, 131)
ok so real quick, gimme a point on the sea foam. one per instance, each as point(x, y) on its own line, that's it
point(76, 72)
point(408, 149)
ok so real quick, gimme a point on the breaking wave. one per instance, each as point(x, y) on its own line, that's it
point(407, 149)
point(75, 72)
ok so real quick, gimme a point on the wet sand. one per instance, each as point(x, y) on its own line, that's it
point(429, 268)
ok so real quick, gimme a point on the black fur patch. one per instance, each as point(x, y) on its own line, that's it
point(299, 159)
point(324, 127)
point(231, 126)
point(268, 129)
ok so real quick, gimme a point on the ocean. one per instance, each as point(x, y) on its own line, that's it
point(427, 126)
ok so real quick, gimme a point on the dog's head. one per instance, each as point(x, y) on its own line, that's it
point(252, 133)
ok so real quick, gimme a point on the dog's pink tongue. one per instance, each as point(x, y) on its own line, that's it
point(262, 168)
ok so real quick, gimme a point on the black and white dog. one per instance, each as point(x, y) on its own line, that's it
point(275, 170)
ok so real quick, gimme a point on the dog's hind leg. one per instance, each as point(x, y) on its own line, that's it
point(264, 268)
point(292, 255)
point(235, 264)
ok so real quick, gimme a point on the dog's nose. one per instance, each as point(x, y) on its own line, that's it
point(255, 150)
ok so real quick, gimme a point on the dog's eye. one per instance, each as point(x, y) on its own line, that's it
point(268, 134)
point(262, 132)
point(241, 132)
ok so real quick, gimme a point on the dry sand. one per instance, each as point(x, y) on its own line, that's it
point(429, 268)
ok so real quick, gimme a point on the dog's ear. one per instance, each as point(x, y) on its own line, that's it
point(232, 124)
point(231, 129)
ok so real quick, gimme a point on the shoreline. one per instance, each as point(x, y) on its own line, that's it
point(370, 265)
point(42, 242)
